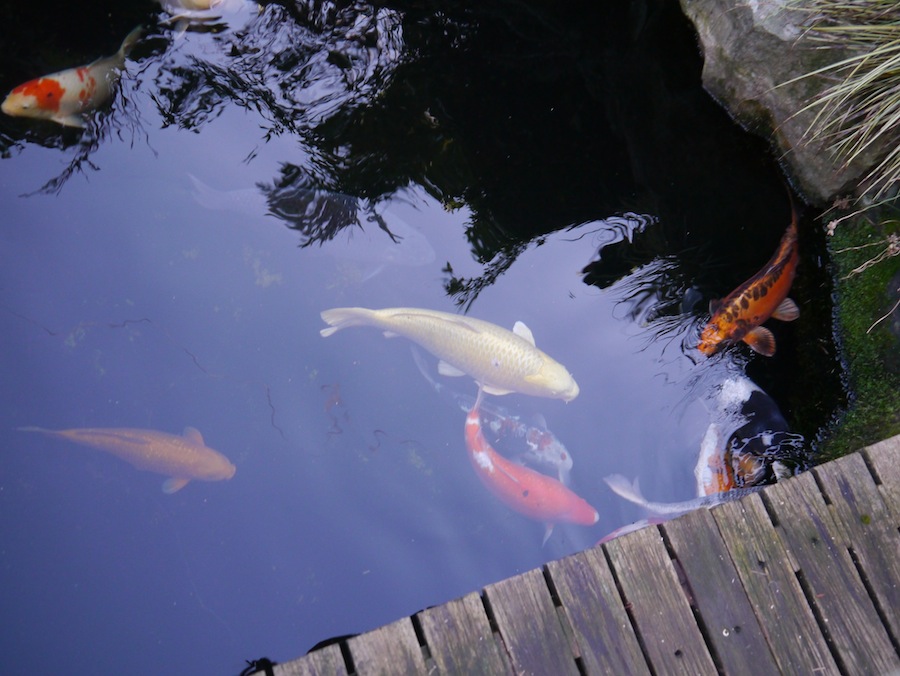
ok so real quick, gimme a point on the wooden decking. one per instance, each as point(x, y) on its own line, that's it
point(801, 578)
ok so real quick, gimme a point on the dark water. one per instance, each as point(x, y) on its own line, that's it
point(166, 266)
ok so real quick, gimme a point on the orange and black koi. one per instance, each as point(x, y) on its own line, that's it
point(531, 493)
point(740, 314)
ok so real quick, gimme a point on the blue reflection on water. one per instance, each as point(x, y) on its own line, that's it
point(157, 290)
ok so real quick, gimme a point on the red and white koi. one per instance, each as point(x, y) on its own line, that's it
point(544, 449)
point(528, 492)
point(65, 97)
point(740, 314)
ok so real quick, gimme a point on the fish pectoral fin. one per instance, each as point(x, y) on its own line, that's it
point(522, 331)
point(70, 121)
point(548, 531)
point(173, 484)
point(761, 340)
point(787, 311)
point(193, 435)
point(446, 369)
point(496, 391)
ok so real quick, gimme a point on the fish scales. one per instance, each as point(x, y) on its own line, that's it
point(501, 361)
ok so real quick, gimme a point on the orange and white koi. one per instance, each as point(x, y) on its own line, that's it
point(64, 97)
point(740, 314)
point(528, 492)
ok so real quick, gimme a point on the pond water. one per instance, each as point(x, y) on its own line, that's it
point(166, 267)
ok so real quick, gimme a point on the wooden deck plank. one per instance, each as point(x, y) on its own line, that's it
point(662, 615)
point(392, 649)
point(772, 588)
point(326, 661)
point(884, 458)
point(870, 531)
point(718, 594)
point(591, 603)
point(459, 637)
point(529, 625)
point(833, 585)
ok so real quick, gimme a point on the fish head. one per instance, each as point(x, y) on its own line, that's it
point(37, 98)
point(712, 338)
point(555, 381)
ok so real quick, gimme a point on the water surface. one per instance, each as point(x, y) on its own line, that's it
point(166, 267)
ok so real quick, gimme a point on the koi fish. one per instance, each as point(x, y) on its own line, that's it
point(528, 492)
point(182, 458)
point(545, 450)
point(500, 361)
point(631, 491)
point(740, 315)
point(748, 441)
point(65, 96)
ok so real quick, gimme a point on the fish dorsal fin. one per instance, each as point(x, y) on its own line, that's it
point(496, 391)
point(523, 332)
point(787, 311)
point(714, 305)
point(193, 435)
point(761, 340)
point(446, 369)
point(173, 484)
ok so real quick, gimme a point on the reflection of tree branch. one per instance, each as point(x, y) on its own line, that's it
point(465, 291)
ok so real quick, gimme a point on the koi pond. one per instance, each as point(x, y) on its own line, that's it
point(164, 267)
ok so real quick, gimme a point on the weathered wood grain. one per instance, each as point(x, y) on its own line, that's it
point(663, 618)
point(530, 627)
point(858, 638)
point(884, 458)
point(772, 588)
point(868, 529)
point(718, 594)
point(459, 637)
point(326, 661)
point(392, 649)
point(590, 601)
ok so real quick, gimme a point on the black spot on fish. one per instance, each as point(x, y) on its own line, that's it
point(745, 303)
point(525, 494)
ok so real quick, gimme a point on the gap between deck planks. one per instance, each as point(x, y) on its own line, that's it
point(803, 577)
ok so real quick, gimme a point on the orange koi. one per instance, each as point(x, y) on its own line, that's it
point(740, 314)
point(531, 493)
point(182, 458)
point(65, 96)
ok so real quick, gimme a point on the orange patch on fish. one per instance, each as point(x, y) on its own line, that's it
point(47, 92)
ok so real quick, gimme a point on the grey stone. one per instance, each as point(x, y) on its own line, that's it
point(750, 49)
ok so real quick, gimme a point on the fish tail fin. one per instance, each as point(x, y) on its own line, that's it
point(622, 487)
point(130, 41)
point(32, 428)
point(204, 195)
point(341, 317)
